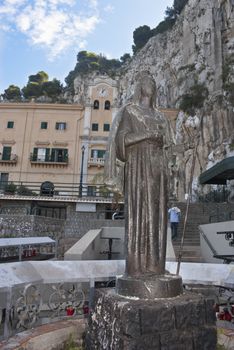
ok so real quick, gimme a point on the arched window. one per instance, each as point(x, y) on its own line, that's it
point(96, 104)
point(107, 105)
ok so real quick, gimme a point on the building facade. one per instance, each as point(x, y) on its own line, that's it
point(40, 142)
point(63, 144)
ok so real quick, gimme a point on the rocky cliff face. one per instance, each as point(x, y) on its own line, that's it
point(197, 53)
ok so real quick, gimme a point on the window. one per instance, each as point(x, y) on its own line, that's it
point(44, 125)
point(106, 127)
point(59, 155)
point(6, 153)
point(50, 155)
point(107, 105)
point(60, 126)
point(98, 153)
point(95, 127)
point(96, 104)
point(10, 125)
point(91, 191)
point(3, 180)
point(41, 154)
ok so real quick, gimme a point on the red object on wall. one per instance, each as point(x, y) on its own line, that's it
point(70, 311)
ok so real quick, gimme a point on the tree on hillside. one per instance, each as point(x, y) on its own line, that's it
point(40, 85)
point(176, 9)
point(51, 88)
point(38, 78)
point(32, 89)
point(140, 37)
point(88, 62)
point(125, 57)
point(12, 93)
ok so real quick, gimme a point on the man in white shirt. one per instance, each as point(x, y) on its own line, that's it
point(174, 218)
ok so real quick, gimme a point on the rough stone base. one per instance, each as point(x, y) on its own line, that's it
point(186, 322)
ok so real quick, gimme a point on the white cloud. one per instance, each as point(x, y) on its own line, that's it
point(109, 8)
point(54, 25)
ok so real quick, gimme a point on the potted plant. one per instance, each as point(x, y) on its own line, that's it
point(10, 188)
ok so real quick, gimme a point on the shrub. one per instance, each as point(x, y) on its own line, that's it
point(10, 188)
point(194, 98)
point(25, 191)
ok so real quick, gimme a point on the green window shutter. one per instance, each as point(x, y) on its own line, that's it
point(101, 153)
point(47, 156)
point(10, 125)
point(53, 155)
point(44, 125)
point(35, 151)
point(6, 155)
point(65, 155)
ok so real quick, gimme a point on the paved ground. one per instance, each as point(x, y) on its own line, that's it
point(47, 336)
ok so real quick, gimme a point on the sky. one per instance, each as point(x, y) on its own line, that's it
point(46, 35)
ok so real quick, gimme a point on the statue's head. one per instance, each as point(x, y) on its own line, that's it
point(145, 86)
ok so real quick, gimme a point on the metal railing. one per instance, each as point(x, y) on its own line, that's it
point(11, 158)
point(48, 159)
point(59, 191)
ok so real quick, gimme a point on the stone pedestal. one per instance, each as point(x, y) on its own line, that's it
point(185, 322)
point(149, 286)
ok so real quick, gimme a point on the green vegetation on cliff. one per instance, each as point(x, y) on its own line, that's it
point(143, 33)
point(88, 62)
point(38, 85)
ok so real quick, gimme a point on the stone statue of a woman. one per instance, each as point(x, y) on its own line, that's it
point(138, 140)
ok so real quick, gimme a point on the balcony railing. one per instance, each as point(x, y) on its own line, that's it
point(48, 160)
point(9, 159)
point(96, 162)
point(59, 191)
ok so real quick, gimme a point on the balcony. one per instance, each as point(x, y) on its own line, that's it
point(8, 159)
point(98, 162)
point(56, 162)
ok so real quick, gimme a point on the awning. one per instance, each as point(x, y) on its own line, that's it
point(11, 242)
point(219, 173)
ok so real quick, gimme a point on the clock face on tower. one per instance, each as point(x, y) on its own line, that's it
point(102, 92)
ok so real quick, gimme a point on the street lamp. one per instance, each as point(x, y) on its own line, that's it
point(81, 171)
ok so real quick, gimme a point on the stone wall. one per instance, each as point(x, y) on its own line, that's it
point(198, 50)
point(78, 223)
point(30, 225)
point(15, 221)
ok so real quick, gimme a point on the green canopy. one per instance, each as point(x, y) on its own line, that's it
point(219, 173)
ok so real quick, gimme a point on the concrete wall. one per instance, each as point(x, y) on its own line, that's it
point(94, 245)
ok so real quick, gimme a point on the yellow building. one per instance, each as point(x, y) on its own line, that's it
point(61, 143)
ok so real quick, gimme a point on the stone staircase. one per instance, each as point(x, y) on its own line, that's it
point(196, 216)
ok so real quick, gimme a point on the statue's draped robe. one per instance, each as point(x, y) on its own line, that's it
point(145, 187)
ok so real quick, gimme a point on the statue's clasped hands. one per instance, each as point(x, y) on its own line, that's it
point(154, 137)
